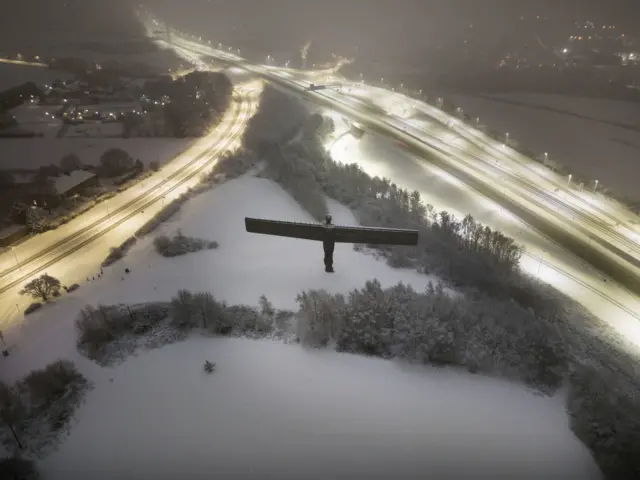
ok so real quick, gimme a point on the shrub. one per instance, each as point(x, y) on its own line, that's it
point(50, 384)
point(40, 406)
point(98, 327)
point(605, 416)
point(209, 367)
point(233, 165)
point(16, 468)
point(32, 308)
point(180, 245)
point(434, 327)
point(115, 162)
point(70, 162)
point(154, 165)
point(73, 287)
point(117, 253)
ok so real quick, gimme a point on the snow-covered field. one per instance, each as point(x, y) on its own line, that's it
point(96, 129)
point(38, 118)
point(13, 75)
point(273, 410)
point(597, 149)
point(599, 108)
point(31, 153)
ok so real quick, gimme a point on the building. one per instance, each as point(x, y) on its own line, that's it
point(63, 187)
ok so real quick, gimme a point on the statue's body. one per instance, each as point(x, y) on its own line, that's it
point(328, 244)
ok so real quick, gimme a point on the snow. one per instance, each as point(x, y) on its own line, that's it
point(64, 183)
point(33, 152)
point(277, 409)
point(13, 75)
point(604, 109)
point(599, 151)
point(37, 118)
point(96, 129)
point(289, 413)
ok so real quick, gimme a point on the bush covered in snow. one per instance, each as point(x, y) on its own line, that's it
point(119, 252)
point(233, 164)
point(99, 328)
point(16, 468)
point(437, 328)
point(108, 334)
point(180, 244)
point(605, 416)
point(39, 408)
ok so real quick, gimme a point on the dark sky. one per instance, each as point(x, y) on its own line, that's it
point(379, 24)
point(382, 27)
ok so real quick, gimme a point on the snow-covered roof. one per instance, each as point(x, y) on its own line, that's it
point(64, 183)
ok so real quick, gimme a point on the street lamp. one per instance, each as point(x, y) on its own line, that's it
point(13, 249)
point(569, 180)
point(595, 186)
point(546, 157)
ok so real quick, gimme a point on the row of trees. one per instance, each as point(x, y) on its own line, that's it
point(190, 104)
point(436, 327)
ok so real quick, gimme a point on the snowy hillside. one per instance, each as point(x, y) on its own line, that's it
point(579, 133)
point(272, 410)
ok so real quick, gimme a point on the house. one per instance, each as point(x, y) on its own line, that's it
point(63, 187)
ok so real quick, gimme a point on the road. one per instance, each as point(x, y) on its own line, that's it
point(74, 251)
point(570, 219)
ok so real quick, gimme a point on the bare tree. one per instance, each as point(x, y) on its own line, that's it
point(207, 306)
point(43, 287)
point(183, 309)
point(12, 411)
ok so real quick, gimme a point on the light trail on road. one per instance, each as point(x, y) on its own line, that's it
point(88, 233)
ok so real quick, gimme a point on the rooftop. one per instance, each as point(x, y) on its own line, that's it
point(64, 183)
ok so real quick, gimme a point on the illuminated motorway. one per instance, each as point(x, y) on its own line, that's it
point(597, 230)
point(73, 251)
